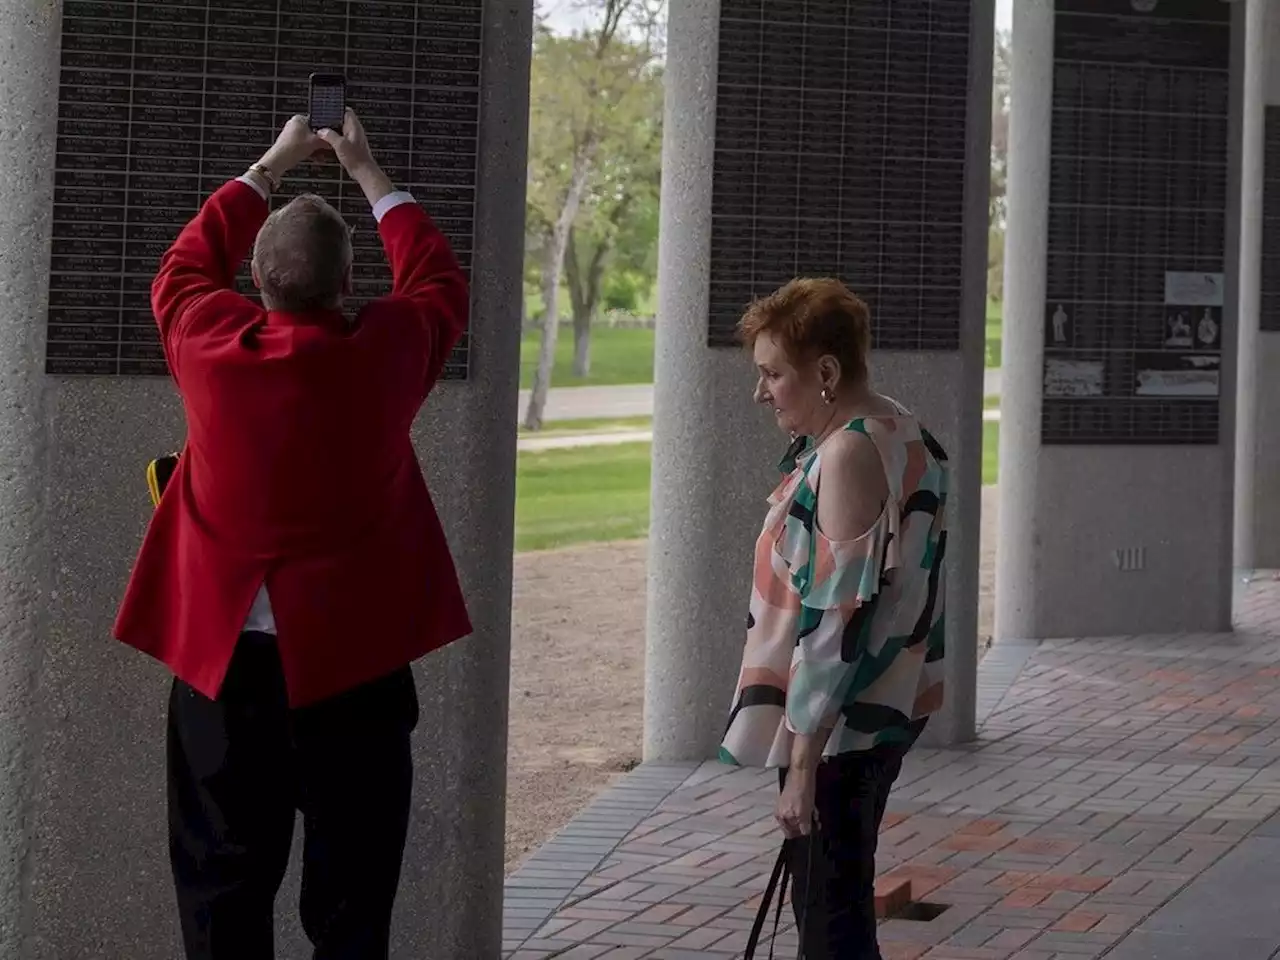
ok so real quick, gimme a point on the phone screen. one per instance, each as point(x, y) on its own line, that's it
point(328, 101)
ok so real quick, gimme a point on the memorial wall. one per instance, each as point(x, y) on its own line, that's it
point(826, 138)
point(1137, 222)
point(160, 103)
point(840, 151)
point(120, 117)
point(1269, 309)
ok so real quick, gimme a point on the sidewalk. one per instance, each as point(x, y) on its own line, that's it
point(633, 400)
point(589, 403)
point(1118, 803)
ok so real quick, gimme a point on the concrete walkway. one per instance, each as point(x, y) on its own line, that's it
point(564, 441)
point(633, 400)
point(1119, 802)
point(589, 403)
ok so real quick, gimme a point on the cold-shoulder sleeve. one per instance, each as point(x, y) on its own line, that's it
point(839, 591)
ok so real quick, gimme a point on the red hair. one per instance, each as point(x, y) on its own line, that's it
point(812, 317)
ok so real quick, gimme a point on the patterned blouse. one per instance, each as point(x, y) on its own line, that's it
point(845, 634)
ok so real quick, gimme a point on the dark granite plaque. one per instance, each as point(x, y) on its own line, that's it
point(1137, 223)
point(160, 103)
point(1269, 315)
point(840, 148)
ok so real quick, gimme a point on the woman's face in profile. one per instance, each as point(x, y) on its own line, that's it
point(794, 395)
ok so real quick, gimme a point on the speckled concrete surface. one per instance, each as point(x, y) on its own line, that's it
point(83, 865)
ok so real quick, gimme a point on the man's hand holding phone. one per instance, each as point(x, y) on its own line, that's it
point(295, 144)
point(352, 149)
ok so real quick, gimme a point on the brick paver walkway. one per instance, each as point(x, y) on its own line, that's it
point(1109, 774)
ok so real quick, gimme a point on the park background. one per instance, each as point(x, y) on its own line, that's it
point(587, 350)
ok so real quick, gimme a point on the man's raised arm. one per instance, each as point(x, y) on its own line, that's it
point(209, 250)
point(423, 267)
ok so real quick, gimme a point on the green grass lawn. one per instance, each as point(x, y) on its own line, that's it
point(595, 494)
point(990, 451)
point(995, 322)
point(617, 356)
point(583, 495)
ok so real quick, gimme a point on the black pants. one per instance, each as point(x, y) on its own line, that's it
point(833, 872)
point(242, 765)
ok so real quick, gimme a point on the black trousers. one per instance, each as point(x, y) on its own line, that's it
point(241, 766)
point(833, 871)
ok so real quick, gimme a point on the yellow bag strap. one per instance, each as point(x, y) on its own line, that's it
point(159, 471)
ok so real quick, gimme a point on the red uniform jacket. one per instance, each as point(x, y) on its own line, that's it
point(298, 468)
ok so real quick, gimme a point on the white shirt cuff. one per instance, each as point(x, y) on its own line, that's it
point(257, 187)
point(390, 202)
point(380, 209)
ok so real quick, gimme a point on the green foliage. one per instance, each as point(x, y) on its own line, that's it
point(624, 289)
point(1001, 92)
point(598, 93)
point(618, 219)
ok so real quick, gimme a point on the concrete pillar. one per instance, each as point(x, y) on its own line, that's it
point(712, 451)
point(1257, 510)
point(83, 862)
point(715, 455)
point(28, 111)
point(1100, 534)
point(450, 901)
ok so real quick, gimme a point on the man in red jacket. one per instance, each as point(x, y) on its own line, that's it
point(295, 565)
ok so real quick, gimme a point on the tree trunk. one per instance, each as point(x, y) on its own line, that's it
point(581, 349)
point(582, 310)
point(594, 284)
point(552, 264)
point(584, 293)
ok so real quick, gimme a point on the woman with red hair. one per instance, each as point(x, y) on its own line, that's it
point(843, 658)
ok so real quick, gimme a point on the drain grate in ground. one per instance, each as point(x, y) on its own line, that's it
point(921, 911)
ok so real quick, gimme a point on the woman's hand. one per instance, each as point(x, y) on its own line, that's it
point(795, 810)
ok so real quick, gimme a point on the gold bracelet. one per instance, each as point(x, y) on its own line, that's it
point(265, 172)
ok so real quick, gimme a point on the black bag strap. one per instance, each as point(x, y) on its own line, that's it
point(778, 884)
point(781, 870)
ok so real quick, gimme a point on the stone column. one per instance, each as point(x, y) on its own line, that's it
point(1116, 537)
point(450, 901)
point(82, 790)
point(1022, 336)
point(714, 456)
point(712, 451)
point(1257, 512)
point(28, 112)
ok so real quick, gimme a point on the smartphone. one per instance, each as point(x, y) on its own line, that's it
point(327, 101)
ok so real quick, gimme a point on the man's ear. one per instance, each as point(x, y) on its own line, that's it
point(347, 284)
point(257, 282)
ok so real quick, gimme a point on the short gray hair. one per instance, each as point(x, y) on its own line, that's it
point(302, 255)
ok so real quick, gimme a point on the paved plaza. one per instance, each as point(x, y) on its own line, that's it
point(1120, 801)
